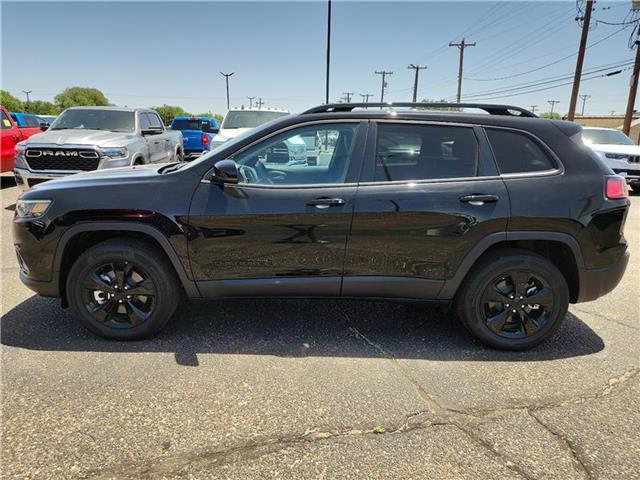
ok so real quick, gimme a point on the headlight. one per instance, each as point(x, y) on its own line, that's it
point(616, 156)
point(20, 147)
point(31, 208)
point(115, 152)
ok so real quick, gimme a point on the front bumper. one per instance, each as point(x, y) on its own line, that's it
point(42, 288)
point(597, 282)
point(25, 179)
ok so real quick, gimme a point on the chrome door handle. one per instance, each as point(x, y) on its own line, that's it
point(325, 202)
point(479, 199)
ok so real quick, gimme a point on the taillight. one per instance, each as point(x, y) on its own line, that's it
point(205, 140)
point(616, 187)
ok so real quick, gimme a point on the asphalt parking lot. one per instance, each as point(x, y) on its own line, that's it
point(318, 389)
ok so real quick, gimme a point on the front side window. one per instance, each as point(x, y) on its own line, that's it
point(424, 152)
point(313, 154)
point(155, 121)
point(517, 153)
point(31, 121)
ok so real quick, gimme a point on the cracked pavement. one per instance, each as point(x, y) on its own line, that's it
point(318, 389)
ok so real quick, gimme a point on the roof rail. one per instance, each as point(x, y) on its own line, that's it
point(491, 109)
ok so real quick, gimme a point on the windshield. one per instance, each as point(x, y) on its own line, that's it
point(112, 120)
point(605, 137)
point(193, 124)
point(249, 119)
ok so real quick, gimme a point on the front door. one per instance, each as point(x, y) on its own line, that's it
point(429, 193)
point(10, 136)
point(283, 229)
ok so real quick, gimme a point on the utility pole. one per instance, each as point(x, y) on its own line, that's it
point(347, 96)
point(27, 92)
point(533, 108)
point(326, 95)
point(226, 78)
point(584, 100)
point(578, 74)
point(259, 103)
point(417, 68)
point(365, 97)
point(612, 113)
point(384, 84)
point(251, 101)
point(553, 104)
point(461, 46)
point(633, 90)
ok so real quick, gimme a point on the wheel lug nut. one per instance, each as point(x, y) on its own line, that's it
point(506, 305)
point(514, 310)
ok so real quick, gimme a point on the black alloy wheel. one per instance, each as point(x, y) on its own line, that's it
point(119, 294)
point(516, 304)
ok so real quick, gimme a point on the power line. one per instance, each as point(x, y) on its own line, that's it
point(461, 46)
point(417, 68)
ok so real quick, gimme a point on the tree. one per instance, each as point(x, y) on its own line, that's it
point(40, 107)
point(554, 115)
point(169, 112)
point(217, 116)
point(81, 96)
point(10, 102)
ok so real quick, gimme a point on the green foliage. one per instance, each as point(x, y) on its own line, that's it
point(81, 96)
point(40, 107)
point(10, 102)
point(168, 113)
point(431, 100)
point(554, 115)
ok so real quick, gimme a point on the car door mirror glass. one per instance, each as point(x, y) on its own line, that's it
point(44, 126)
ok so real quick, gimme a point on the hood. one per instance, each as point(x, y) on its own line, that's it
point(81, 137)
point(229, 133)
point(110, 175)
point(614, 148)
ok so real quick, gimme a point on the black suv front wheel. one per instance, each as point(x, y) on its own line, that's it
point(123, 289)
point(513, 300)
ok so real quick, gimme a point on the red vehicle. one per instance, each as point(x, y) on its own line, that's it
point(11, 135)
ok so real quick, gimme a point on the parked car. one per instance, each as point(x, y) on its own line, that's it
point(507, 217)
point(197, 133)
point(29, 124)
point(94, 138)
point(617, 150)
point(11, 135)
point(240, 120)
point(48, 118)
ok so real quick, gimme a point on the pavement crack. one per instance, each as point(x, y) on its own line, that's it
point(576, 454)
point(605, 317)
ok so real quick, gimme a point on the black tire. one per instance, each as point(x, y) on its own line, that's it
point(138, 161)
point(518, 325)
point(146, 272)
point(179, 156)
point(635, 187)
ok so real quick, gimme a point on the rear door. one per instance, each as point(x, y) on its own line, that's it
point(429, 193)
point(10, 136)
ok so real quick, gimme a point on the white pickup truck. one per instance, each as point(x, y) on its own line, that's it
point(92, 138)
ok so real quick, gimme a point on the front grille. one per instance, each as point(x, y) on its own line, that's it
point(634, 158)
point(62, 159)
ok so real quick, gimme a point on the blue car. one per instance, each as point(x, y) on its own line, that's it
point(197, 133)
point(27, 120)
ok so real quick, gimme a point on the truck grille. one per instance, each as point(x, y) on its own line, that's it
point(62, 159)
point(634, 158)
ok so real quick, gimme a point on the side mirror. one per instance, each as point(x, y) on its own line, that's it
point(44, 126)
point(151, 131)
point(225, 171)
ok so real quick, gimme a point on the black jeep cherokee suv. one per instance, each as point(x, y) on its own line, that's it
point(507, 216)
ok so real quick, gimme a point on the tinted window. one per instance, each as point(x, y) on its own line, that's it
point(419, 152)
point(314, 154)
point(6, 123)
point(31, 121)
point(249, 118)
point(606, 137)
point(144, 121)
point(155, 121)
point(517, 153)
point(195, 124)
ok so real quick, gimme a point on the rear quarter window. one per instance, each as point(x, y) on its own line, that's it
point(517, 152)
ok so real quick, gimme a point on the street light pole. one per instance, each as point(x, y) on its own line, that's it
point(27, 92)
point(226, 78)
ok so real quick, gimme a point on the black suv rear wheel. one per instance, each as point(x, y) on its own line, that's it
point(123, 289)
point(513, 300)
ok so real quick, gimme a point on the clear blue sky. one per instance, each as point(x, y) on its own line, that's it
point(151, 53)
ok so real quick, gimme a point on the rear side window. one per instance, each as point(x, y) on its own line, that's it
point(517, 153)
point(6, 123)
point(31, 121)
point(424, 152)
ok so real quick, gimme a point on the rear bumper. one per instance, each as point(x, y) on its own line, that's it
point(597, 282)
